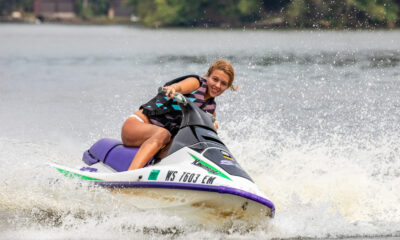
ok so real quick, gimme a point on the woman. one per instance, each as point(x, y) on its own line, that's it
point(157, 121)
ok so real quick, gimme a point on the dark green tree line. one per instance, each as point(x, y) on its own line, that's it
point(196, 12)
point(296, 13)
point(7, 6)
point(292, 13)
point(340, 13)
point(91, 8)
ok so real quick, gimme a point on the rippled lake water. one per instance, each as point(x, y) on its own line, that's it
point(315, 122)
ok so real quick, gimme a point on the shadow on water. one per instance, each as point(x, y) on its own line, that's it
point(384, 61)
point(364, 60)
point(184, 59)
point(388, 59)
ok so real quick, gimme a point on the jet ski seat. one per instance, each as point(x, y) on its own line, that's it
point(112, 153)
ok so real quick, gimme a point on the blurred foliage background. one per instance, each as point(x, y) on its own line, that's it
point(239, 13)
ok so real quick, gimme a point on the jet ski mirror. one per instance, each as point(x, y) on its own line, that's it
point(178, 96)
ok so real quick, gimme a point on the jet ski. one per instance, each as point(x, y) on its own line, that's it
point(198, 176)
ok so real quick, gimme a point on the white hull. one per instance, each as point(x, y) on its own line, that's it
point(186, 183)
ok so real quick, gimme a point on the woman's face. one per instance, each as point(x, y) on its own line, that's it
point(217, 82)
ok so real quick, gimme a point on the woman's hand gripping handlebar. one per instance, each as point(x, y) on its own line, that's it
point(175, 95)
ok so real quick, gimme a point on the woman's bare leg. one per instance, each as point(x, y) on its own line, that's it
point(149, 137)
point(163, 152)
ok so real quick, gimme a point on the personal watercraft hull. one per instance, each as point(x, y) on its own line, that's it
point(202, 206)
point(182, 182)
point(205, 204)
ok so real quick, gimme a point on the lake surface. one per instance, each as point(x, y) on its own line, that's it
point(315, 122)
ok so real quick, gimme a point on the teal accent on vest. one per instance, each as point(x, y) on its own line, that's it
point(176, 107)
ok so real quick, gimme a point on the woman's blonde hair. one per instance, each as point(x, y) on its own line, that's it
point(227, 68)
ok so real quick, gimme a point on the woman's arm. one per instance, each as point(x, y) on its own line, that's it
point(185, 86)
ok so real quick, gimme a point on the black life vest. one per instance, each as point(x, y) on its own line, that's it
point(167, 113)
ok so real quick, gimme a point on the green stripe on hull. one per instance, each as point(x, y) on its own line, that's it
point(210, 169)
point(73, 175)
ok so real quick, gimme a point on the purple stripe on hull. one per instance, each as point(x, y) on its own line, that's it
point(196, 187)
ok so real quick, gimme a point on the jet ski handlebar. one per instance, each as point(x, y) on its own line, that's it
point(178, 96)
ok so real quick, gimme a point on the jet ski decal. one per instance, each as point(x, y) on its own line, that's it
point(210, 169)
point(73, 175)
point(188, 177)
point(229, 163)
point(153, 175)
point(227, 155)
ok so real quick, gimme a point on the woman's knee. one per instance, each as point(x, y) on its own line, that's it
point(160, 138)
point(163, 135)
